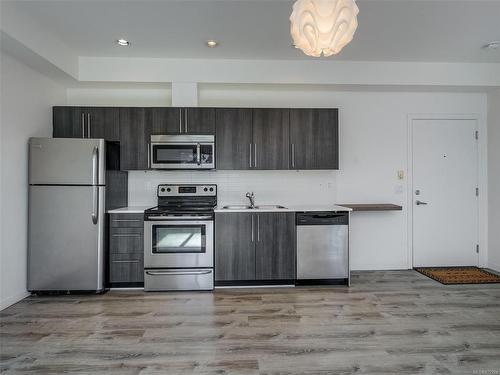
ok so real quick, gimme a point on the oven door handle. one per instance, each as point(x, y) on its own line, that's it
point(178, 218)
point(180, 272)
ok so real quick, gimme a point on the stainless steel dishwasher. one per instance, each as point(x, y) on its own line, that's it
point(322, 248)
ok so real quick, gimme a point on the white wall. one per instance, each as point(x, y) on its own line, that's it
point(494, 179)
point(26, 101)
point(373, 141)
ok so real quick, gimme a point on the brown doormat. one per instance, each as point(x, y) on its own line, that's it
point(459, 275)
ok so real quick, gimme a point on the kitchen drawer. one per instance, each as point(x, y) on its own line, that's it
point(126, 240)
point(126, 220)
point(126, 268)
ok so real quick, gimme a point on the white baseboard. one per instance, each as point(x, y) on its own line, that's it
point(12, 300)
point(493, 266)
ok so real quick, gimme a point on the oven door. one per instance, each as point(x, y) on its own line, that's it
point(182, 155)
point(177, 244)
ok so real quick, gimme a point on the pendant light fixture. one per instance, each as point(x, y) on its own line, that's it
point(323, 27)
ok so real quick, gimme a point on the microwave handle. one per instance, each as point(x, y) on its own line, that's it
point(198, 154)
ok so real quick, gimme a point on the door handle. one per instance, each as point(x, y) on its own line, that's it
point(258, 228)
point(88, 126)
point(255, 155)
point(250, 148)
point(83, 125)
point(166, 273)
point(420, 203)
point(180, 120)
point(95, 188)
point(149, 156)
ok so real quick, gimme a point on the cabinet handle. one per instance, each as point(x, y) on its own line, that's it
point(293, 155)
point(255, 155)
point(186, 120)
point(149, 156)
point(252, 228)
point(88, 126)
point(258, 228)
point(180, 120)
point(125, 261)
point(83, 125)
point(250, 160)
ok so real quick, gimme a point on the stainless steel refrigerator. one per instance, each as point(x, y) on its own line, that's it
point(66, 214)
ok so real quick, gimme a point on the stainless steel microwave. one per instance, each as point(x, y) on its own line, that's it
point(182, 152)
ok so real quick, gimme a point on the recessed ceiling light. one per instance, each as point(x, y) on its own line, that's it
point(123, 42)
point(492, 45)
point(212, 43)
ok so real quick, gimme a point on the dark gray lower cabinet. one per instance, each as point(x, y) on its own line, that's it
point(126, 249)
point(275, 249)
point(254, 247)
point(234, 247)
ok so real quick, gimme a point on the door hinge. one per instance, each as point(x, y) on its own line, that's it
point(477, 249)
point(477, 192)
point(476, 134)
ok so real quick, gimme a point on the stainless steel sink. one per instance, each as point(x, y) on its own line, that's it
point(270, 207)
point(261, 207)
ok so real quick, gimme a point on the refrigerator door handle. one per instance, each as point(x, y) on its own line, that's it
point(95, 188)
point(95, 204)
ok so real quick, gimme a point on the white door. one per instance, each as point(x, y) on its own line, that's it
point(445, 207)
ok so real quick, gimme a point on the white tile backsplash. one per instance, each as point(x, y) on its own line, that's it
point(270, 187)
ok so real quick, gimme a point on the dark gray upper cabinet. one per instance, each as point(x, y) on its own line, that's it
point(314, 139)
point(234, 247)
point(199, 120)
point(134, 139)
point(86, 122)
point(275, 246)
point(234, 138)
point(164, 120)
point(271, 138)
point(103, 122)
point(68, 122)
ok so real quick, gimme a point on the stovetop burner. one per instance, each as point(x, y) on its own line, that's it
point(184, 200)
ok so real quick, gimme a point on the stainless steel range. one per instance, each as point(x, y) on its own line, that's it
point(179, 239)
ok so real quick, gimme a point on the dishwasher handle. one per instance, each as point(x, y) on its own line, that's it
point(322, 218)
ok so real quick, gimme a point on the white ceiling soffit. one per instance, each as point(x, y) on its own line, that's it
point(389, 30)
point(399, 42)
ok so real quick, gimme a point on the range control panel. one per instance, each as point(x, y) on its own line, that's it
point(186, 190)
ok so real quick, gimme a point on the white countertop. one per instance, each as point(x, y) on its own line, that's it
point(129, 210)
point(289, 208)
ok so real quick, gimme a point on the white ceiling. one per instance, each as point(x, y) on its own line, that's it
point(401, 30)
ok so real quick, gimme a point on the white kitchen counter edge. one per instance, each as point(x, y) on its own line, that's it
point(129, 210)
point(291, 208)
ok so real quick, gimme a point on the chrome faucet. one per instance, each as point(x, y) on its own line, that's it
point(251, 197)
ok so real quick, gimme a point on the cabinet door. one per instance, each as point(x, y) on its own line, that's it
point(103, 122)
point(133, 139)
point(314, 138)
point(271, 138)
point(68, 122)
point(234, 246)
point(233, 138)
point(199, 121)
point(164, 120)
point(275, 246)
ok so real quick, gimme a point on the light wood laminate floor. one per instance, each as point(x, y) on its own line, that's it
point(396, 322)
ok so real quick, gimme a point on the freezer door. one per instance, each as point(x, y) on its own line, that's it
point(66, 238)
point(67, 161)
